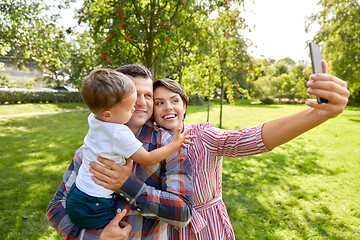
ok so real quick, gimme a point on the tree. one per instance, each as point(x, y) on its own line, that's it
point(300, 75)
point(280, 81)
point(288, 61)
point(82, 57)
point(139, 31)
point(339, 36)
point(153, 32)
point(280, 68)
point(224, 56)
point(16, 16)
point(29, 29)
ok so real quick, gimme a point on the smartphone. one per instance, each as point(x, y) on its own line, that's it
point(315, 55)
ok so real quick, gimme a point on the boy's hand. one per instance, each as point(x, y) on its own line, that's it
point(183, 137)
point(331, 88)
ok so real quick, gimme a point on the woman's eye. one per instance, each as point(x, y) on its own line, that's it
point(158, 103)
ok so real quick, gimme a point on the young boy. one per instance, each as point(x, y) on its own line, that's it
point(111, 97)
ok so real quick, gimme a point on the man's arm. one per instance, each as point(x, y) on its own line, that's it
point(171, 201)
point(59, 219)
point(327, 86)
point(56, 211)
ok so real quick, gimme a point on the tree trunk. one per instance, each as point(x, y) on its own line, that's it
point(149, 45)
point(221, 101)
point(180, 68)
point(180, 76)
point(208, 107)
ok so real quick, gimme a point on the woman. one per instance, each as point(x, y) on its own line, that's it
point(210, 219)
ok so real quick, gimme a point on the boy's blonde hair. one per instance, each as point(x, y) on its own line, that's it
point(103, 88)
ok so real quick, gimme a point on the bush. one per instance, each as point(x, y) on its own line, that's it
point(12, 96)
point(267, 100)
point(196, 100)
point(6, 80)
point(355, 97)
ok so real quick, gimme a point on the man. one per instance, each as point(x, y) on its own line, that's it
point(159, 195)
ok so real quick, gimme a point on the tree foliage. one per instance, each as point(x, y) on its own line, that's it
point(197, 42)
point(153, 33)
point(339, 35)
point(220, 57)
point(16, 18)
point(281, 80)
point(82, 57)
point(28, 28)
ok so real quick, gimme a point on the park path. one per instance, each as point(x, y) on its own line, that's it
point(42, 113)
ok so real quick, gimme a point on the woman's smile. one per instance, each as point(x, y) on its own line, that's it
point(169, 108)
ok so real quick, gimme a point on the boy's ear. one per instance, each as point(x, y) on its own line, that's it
point(106, 115)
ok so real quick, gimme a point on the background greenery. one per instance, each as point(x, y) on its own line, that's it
point(306, 189)
point(200, 43)
point(9, 96)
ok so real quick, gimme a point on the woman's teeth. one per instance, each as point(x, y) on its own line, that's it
point(169, 116)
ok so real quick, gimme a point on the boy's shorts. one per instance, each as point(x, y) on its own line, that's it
point(89, 212)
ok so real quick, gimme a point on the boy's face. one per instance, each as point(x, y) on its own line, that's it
point(143, 104)
point(122, 112)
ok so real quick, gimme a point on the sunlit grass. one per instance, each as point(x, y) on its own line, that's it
point(32, 107)
point(306, 189)
point(34, 152)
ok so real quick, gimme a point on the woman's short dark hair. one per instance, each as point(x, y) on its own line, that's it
point(173, 86)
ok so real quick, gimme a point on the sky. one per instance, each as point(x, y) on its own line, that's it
point(280, 28)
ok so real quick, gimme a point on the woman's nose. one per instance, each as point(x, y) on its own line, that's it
point(168, 106)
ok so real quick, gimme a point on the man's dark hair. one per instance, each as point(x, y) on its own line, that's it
point(135, 70)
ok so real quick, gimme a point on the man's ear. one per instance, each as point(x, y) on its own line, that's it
point(185, 107)
point(106, 115)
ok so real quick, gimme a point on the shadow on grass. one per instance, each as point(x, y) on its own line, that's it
point(353, 108)
point(351, 114)
point(266, 197)
point(354, 120)
point(34, 153)
point(71, 105)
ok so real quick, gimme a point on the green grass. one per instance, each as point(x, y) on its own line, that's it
point(34, 152)
point(306, 189)
point(35, 108)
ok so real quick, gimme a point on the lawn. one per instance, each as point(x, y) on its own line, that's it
point(37, 108)
point(306, 189)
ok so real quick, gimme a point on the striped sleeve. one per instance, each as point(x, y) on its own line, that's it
point(233, 143)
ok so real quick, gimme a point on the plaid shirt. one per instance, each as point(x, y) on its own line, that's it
point(159, 195)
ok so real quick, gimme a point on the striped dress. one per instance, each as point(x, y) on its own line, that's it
point(210, 219)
